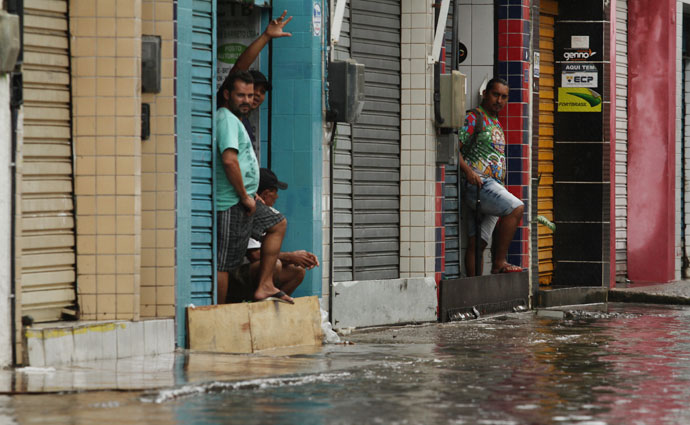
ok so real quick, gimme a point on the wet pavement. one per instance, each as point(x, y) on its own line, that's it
point(658, 293)
point(599, 364)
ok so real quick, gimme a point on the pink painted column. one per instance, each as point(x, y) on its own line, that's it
point(651, 139)
point(612, 146)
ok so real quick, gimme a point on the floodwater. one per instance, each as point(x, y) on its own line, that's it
point(606, 364)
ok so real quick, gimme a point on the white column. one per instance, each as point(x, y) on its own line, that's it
point(5, 221)
point(418, 144)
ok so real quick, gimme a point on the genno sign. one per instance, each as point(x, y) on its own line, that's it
point(578, 54)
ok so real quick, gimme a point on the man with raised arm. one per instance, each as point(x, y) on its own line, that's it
point(239, 215)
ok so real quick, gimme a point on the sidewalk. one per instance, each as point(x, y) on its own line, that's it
point(145, 373)
point(652, 293)
point(184, 368)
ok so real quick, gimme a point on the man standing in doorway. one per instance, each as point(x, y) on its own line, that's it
point(482, 160)
point(261, 84)
point(239, 214)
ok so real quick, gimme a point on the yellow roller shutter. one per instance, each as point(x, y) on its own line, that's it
point(548, 12)
point(47, 239)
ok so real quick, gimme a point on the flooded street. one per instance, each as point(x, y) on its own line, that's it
point(623, 364)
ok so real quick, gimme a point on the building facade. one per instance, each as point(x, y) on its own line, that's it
point(114, 222)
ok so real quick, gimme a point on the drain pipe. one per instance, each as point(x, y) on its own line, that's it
point(15, 104)
point(16, 101)
point(331, 145)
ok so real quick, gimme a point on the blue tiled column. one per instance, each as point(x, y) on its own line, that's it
point(297, 132)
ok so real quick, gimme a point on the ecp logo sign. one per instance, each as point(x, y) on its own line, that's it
point(580, 79)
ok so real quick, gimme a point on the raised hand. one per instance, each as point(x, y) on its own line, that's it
point(275, 27)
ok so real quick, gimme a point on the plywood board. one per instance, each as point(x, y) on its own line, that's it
point(276, 324)
point(251, 327)
point(220, 328)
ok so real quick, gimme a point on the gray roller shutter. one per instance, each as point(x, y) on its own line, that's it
point(621, 138)
point(47, 238)
point(451, 204)
point(342, 178)
point(375, 42)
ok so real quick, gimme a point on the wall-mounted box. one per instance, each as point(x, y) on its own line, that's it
point(10, 41)
point(150, 64)
point(345, 90)
point(447, 148)
point(452, 102)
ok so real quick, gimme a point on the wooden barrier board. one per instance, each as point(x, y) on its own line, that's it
point(252, 327)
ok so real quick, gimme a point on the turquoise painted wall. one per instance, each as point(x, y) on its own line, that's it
point(297, 131)
point(194, 88)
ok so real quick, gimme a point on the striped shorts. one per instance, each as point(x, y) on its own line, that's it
point(235, 228)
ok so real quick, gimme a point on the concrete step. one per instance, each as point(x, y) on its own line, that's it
point(52, 344)
point(554, 297)
point(384, 302)
point(470, 297)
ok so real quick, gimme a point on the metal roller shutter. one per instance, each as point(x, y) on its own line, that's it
point(621, 138)
point(375, 42)
point(548, 12)
point(47, 221)
point(195, 89)
point(342, 178)
point(451, 204)
point(202, 90)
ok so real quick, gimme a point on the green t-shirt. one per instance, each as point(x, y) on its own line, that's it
point(231, 134)
point(487, 155)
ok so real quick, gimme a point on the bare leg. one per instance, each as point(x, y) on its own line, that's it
point(270, 248)
point(469, 256)
point(254, 269)
point(287, 277)
point(290, 277)
point(506, 230)
point(222, 287)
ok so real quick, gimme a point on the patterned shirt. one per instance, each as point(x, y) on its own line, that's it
point(486, 156)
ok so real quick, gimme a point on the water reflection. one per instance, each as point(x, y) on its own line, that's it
point(624, 364)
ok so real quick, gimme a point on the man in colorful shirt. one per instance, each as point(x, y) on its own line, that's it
point(482, 160)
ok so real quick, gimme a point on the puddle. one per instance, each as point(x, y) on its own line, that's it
point(626, 364)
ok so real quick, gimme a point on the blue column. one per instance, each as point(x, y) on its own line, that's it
point(297, 131)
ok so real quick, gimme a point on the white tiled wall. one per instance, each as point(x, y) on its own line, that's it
point(476, 31)
point(418, 142)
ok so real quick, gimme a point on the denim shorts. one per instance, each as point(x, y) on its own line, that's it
point(495, 202)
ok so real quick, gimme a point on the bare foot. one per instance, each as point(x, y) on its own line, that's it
point(261, 294)
point(506, 268)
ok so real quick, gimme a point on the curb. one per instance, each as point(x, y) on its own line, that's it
point(618, 295)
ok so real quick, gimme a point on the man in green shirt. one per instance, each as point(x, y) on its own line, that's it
point(237, 179)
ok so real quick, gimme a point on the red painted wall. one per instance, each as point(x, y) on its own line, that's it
point(651, 139)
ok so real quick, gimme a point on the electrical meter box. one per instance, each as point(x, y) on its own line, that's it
point(9, 41)
point(345, 90)
point(452, 100)
point(150, 64)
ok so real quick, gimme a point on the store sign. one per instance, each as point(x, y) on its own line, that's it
point(316, 20)
point(580, 75)
point(579, 42)
point(578, 54)
point(578, 99)
point(238, 26)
